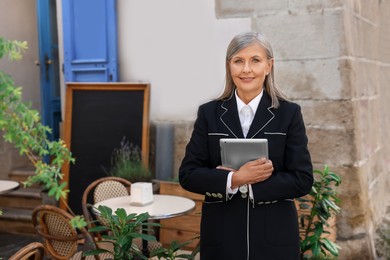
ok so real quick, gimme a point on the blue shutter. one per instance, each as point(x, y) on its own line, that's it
point(49, 66)
point(90, 40)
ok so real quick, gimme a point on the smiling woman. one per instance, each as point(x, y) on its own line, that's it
point(249, 212)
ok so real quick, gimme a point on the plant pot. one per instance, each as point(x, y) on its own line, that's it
point(47, 200)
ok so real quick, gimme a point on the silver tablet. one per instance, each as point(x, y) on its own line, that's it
point(236, 152)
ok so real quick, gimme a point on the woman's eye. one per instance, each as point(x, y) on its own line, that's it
point(255, 60)
point(237, 61)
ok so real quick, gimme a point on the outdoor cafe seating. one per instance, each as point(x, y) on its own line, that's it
point(60, 238)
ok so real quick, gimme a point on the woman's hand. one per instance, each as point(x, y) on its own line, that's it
point(252, 172)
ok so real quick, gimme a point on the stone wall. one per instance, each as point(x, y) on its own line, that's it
point(366, 26)
point(333, 58)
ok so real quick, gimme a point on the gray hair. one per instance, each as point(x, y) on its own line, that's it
point(240, 42)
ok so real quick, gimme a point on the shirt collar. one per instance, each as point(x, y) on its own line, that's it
point(253, 104)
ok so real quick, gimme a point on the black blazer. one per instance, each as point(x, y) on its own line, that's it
point(239, 228)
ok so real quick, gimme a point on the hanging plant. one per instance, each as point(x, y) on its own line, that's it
point(22, 127)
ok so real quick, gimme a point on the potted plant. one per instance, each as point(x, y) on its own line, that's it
point(126, 162)
point(317, 209)
point(172, 252)
point(123, 229)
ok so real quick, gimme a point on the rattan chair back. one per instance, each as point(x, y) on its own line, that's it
point(99, 190)
point(61, 240)
point(110, 189)
point(32, 251)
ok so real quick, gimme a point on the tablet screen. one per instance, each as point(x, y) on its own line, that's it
point(236, 152)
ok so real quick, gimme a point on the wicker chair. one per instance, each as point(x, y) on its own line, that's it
point(99, 190)
point(32, 251)
point(102, 189)
point(61, 240)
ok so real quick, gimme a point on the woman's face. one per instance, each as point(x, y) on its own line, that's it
point(248, 69)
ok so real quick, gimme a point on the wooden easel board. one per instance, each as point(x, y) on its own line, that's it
point(97, 117)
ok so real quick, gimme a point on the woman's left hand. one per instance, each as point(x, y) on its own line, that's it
point(253, 172)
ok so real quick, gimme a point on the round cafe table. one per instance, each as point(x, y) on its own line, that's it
point(162, 207)
point(8, 186)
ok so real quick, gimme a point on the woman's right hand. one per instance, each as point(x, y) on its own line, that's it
point(253, 172)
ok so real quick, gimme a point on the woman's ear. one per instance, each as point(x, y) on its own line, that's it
point(269, 65)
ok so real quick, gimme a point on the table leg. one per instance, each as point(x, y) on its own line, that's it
point(145, 249)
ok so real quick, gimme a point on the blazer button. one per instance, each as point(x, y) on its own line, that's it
point(214, 195)
point(208, 194)
point(243, 188)
point(219, 195)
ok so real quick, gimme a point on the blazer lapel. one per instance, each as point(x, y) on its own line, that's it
point(229, 117)
point(263, 116)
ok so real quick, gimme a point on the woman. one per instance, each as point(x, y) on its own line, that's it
point(249, 213)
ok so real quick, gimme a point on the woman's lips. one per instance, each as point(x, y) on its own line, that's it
point(247, 79)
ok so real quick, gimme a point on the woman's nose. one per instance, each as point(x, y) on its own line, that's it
point(247, 67)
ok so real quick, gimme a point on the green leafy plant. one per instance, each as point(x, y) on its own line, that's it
point(322, 204)
point(126, 162)
point(22, 127)
point(14, 49)
point(122, 230)
point(172, 252)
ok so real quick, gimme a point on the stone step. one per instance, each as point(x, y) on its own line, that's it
point(25, 198)
point(16, 220)
point(17, 206)
point(21, 174)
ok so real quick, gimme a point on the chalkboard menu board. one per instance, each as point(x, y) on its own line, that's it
point(97, 118)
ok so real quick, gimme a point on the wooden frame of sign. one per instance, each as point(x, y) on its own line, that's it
point(97, 118)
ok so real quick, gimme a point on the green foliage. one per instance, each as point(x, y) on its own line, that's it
point(382, 242)
point(122, 229)
point(126, 162)
point(14, 49)
point(22, 127)
point(171, 253)
point(78, 222)
point(322, 206)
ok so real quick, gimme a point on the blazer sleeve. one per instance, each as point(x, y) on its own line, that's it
point(293, 174)
point(197, 172)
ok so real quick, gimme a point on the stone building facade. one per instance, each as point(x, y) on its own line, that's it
point(333, 58)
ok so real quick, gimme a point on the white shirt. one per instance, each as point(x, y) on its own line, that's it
point(247, 112)
point(246, 115)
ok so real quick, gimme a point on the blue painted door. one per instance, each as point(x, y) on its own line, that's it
point(90, 40)
point(49, 65)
